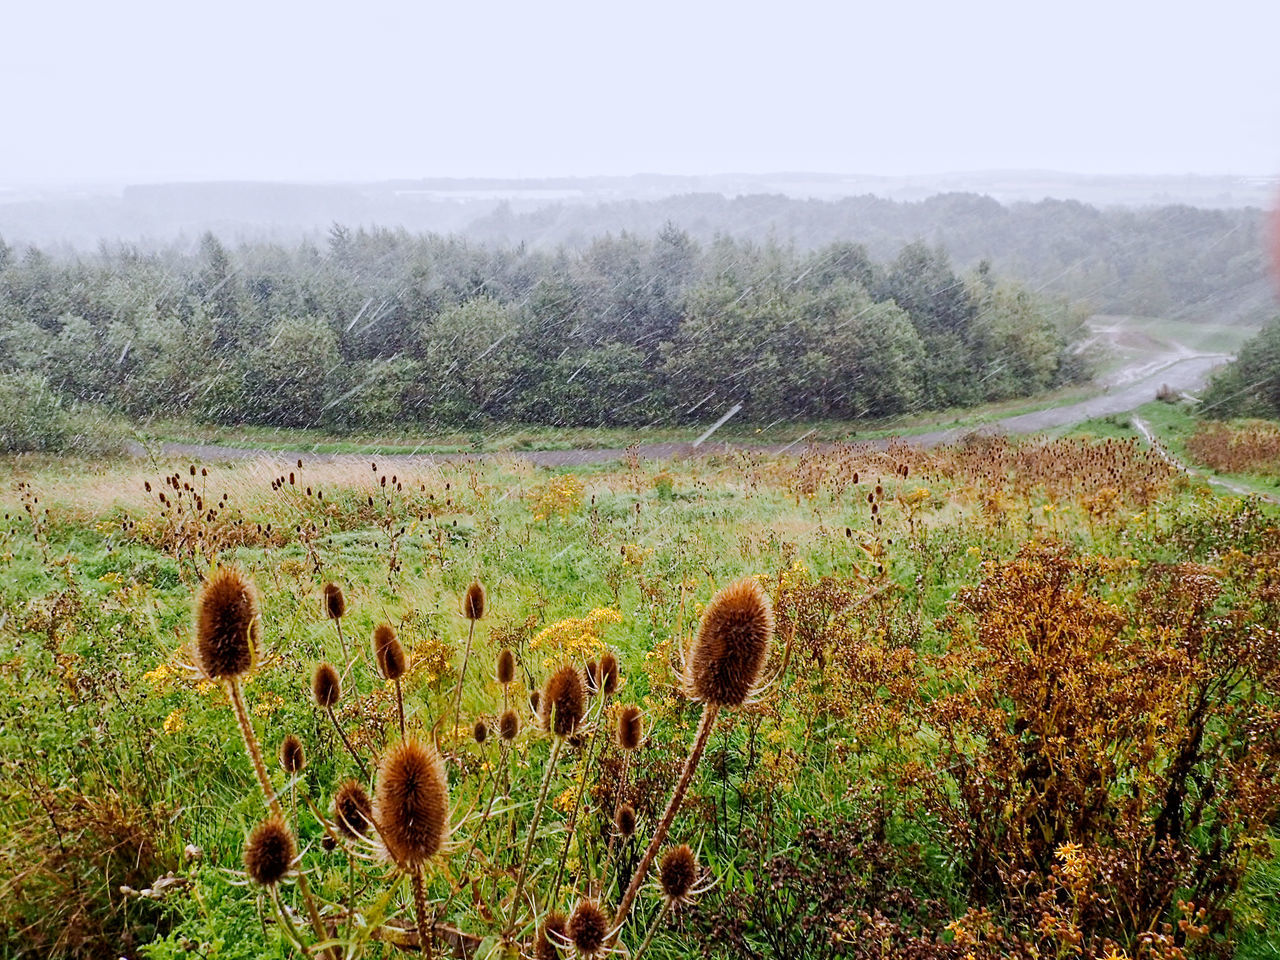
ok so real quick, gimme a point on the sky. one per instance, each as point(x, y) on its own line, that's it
point(153, 91)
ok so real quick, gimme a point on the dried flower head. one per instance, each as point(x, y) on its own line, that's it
point(411, 803)
point(325, 686)
point(626, 821)
point(630, 727)
point(535, 700)
point(551, 934)
point(588, 929)
point(480, 731)
point(473, 601)
point(592, 676)
point(678, 872)
point(508, 725)
point(506, 666)
point(228, 625)
point(352, 809)
point(292, 758)
point(335, 602)
point(731, 646)
point(269, 852)
point(609, 673)
point(389, 652)
point(563, 703)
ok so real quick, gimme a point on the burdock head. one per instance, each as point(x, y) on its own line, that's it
point(269, 852)
point(389, 652)
point(411, 803)
point(731, 646)
point(563, 702)
point(335, 602)
point(228, 625)
point(473, 601)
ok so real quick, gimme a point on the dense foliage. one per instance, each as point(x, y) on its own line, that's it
point(383, 326)
point(1249, 387)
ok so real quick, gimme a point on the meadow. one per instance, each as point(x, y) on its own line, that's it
point(996, 699)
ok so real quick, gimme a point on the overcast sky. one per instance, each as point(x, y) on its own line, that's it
point(142, 91)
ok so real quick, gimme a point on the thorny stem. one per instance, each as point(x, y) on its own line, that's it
point(709, 712)
point(556, 743)
point(236, 695)
point(653, 928)
point(294, 936)
point(400, 708)
point(613, 823)
point(577, 803)
point(466, 656)
point(346, 658)
point(364, 771)
point(420, 913)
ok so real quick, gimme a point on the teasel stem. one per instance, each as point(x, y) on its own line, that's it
point(364, 771)
point(400, 708)
point(346, 657)
point(488, 808)
point(420, 913)
point(466, 656)
point(617, 805)
point(709, 713)
point(294, 936)
point(556, 744)
point(653, 928)
point(236, 695)
point(577, 802)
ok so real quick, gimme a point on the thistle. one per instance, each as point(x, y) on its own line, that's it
point(722, 670)
point(335, 606)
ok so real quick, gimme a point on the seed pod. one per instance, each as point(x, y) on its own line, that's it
point(535, 700)
point(592, 677)
point(389, 652)
point(626, 821)
point(551, 937)
point(473, 601)
point(335, 602)
point(609, 673)
point(228, 625)
point(678, 872)
point(269, 852)
point(630, 727)
point(732, 643)
point(325, 686)
point(508, 725)
point(292, 758)
point(563, 702)
point(506, 666)
point(411, 803)
point(352, 810)
point(480, 731)
point(588, 928)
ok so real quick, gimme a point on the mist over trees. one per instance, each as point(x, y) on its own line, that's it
point(1249, 387)
point(376, 326)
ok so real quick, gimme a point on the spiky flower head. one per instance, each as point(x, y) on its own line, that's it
point(480, 731)
point(269, 852)
point(352, 809)
point(508, 725)
point(411, 803)
point(325, 686)
point(592, 677)
point(563, 702)
point(630, 727)
point(292, 758)
point(228, 625)
point(678, 872)
point(506, 666)
point(626, 821)
point(731, 646)
point(473, 601)
point(609, 673)
point(551, 934)
point(588, 929)
point(389, 652)
point(335, 601)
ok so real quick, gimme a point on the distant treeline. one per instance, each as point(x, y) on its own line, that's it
point(381, 326)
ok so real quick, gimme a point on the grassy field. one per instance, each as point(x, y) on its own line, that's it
point(1018, 700)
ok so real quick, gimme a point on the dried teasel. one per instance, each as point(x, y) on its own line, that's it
point(228, 625)
point(352, 809)
point(678, 873)
point(588, 929)
point(552, 934)
point(473, 601)
point(625, 821)
point(506, 666)
point(389, 652)
point(508, 725)
point(592, 677)
point(411, 804)
point(630, 727)
point(563, 703)
point(609, 673)
point(731, 645)
point(335, 601)
point(326, 687)
point(269, 852)
point(292, 758)
point(480, 732)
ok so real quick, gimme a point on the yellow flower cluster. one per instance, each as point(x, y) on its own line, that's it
point(561, 497)
point(174, 722)
point(575, 639)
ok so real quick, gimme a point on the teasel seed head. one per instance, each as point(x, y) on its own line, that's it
point(481, 731)
point(626, 821)
point(551, 934)
point(609, 673)
point(325, 686)
point(506, 666)
point(352, 809)
point(731, 646)
point(292, 758)
point(269, 852)
point(630, 727)
point(678, 872)
point(592, 676)
point(588, 929)
point(228, 625)
point(563, 702)
point(411, 803)
point(473, 601)
point(508, 725)
point(335, 602)
point(535, 700)
point(389, 652)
